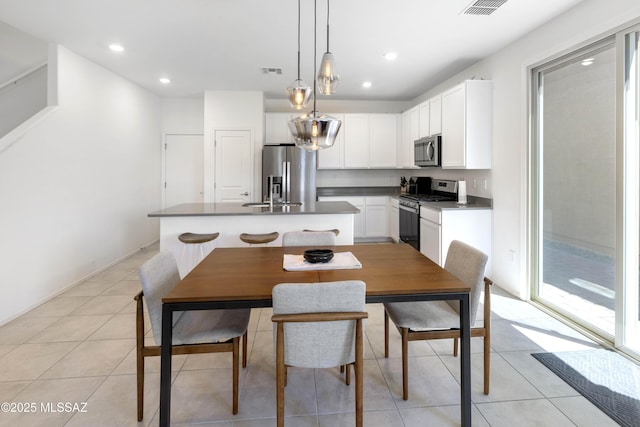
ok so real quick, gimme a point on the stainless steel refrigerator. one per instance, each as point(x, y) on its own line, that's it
point(289, 172)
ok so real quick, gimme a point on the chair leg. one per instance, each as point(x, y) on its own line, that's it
point(140, 356)
point(455, 347)
point(386, 334)
point(236, 372)
point(405, 363)
point(487, 361)
point(347, 377)
point(359, 372)
point(244, 349)
point(280, 375)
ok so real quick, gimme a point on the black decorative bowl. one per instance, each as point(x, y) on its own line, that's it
point(318, 255)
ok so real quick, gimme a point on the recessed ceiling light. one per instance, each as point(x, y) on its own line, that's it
point(165, 80)
point(116, 47)
point(390, 56)
point(587, 61)
point(366, 85)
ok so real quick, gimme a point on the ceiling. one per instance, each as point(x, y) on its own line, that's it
point(223, 44)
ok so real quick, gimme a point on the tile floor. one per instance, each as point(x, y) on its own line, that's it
point(79, 348)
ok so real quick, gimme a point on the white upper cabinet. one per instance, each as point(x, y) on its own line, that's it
point(423, 121)
point(466, 126)
point(356, 141)
point(333, 157)
point(383, 134)
point(435, 115)
point(277, 128)
point(410, 132)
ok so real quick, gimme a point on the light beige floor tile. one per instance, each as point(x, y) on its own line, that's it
point(506, 383)
point(202, 396)
point(523, 413)
point(56, 401)
point(129, 287)
point(441, 416)
point(21, 329)
point(297, 421)
point(262, 350)
point(335, 396)
point(114, 403)
point(582, 412)
point(71, 328)
point(130, 308)
point(29, 361)
point(87, 289)
point(375, 336)
point(258, 393)
point(9, 389)
point(548, 383)
point(117, 327)
point(430, 383)
point(103, 305)
point(4, 349)
point(369, 419)
point(59, 306)
point(151, 364)
point(552, 335)
point(91, 358)
point(507, 335)
point(264, 321)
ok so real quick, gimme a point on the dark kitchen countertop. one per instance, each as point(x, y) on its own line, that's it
point(357, 191)
point(230, 209)
point(473, 202)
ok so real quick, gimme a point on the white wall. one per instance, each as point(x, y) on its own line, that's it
point(182, 115)
point(76, 189)
point(508, 69)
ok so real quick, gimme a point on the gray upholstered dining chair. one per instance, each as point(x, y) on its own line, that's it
point(426, 320)
point(197, 331)
point(309, 238)
point(319, 325)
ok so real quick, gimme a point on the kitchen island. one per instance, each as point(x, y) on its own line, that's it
point(232, 219)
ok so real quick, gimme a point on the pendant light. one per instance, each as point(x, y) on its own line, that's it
point(314, 130)
point(328, 78)
point(298, 92)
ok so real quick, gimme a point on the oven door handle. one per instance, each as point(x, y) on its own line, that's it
point(409, 209)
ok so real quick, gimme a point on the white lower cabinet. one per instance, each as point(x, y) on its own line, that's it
point(373, 219)
point(439, 227)
point(394, 219)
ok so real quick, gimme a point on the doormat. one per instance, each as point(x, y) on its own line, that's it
point(607, 379)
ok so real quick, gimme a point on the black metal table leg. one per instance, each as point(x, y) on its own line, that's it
point(165, 365)
point(465, 362)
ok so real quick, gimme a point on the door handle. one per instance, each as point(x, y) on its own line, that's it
point(246, 193)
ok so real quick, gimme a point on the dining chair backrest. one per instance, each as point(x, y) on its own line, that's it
point(467, 264)
point(158, 275)
point(309, 238)
point(319, 344)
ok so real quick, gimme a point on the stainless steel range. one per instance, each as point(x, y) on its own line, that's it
point(422, 189)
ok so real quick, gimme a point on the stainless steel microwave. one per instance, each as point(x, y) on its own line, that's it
point(427, 151)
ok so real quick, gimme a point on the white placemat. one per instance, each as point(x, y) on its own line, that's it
point(340, 261)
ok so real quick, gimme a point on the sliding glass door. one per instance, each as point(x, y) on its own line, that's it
point(584, 162)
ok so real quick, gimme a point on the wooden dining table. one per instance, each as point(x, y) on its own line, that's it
point(244, 278)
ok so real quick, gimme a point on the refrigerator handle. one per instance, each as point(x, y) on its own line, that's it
point(286, 166)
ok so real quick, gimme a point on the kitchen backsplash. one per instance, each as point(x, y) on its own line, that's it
point(387, 177)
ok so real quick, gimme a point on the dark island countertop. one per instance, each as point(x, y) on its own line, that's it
point(230, 209)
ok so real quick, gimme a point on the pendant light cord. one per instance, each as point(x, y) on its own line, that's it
point(298, 39)
point(315, 33)
point(328, 1)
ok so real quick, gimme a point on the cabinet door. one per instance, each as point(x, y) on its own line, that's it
point(453, 128)
point(276, 126)
point(430, 239)
point(356, 140)
point(435, 115)
point(376, 218)
point(410, 132)
point(333, 158)
point(424, 119)
point(394, 219)
point(383, 132)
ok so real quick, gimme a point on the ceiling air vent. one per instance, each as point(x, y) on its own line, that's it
point(271, 70)
point(483, 7)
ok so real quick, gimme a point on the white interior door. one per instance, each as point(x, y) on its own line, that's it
point(233, 166)
point(183, 173)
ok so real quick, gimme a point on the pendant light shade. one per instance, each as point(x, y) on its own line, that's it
point(328, 78)
point(298, 92)
point(314, 131)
